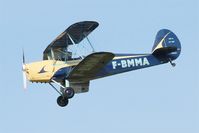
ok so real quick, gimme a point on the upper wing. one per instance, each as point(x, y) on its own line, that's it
point(73, 34)
point(90, 66)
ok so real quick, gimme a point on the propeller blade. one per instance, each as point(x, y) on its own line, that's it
point(24, 81)
point(23, 57)
point(24, 73)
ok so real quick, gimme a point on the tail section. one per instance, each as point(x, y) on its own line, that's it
point(167, 46)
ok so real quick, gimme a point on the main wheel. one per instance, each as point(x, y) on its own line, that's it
point(69, 92)
point(62, 101)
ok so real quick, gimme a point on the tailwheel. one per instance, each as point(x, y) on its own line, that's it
point(62, 101)
point(69, 92)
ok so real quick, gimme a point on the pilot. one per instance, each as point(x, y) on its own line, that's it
point(69, 55)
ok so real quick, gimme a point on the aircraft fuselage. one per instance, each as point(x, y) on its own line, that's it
point(43, 71)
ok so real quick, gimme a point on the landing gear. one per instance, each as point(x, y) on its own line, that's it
point(66, 93)
point(172, 63)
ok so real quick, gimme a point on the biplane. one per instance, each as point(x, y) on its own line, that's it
point(72, 73)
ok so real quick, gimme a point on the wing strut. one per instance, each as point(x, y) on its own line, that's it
point(70, 38)
point(52, 54)
point(73, 43)
point(93, 50)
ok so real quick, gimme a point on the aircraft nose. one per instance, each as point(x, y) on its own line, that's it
point(25, 68)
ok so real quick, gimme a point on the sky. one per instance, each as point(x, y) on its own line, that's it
point(153, 100)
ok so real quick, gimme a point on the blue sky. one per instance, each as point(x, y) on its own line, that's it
point(158, 99)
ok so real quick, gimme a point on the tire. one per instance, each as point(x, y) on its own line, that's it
point(62, 101)
point(70, 92)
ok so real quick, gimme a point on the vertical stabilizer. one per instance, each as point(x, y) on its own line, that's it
point(166, 45)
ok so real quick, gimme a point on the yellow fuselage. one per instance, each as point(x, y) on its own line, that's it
point(43, 71)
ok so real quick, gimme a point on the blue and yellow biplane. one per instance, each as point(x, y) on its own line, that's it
point(74, 73)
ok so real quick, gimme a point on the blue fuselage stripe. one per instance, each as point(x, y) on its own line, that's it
point(117, 66)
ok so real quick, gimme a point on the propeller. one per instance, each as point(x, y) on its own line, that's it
point(24, 73)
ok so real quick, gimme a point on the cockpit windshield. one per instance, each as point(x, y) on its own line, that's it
point(72, 52)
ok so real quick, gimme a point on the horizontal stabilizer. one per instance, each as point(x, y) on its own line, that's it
point(164, 51)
